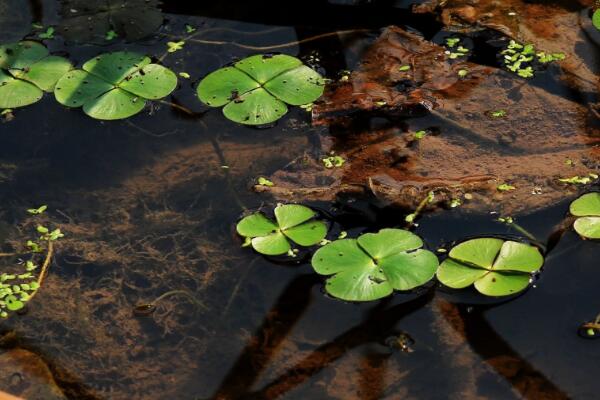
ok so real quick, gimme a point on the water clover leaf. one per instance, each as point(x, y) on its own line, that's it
point(587, 207)
point(293, 222)
point(172, 47)
point(596, 19)
point(257, 89)
point(374, 265)
point(27, 70)
point(115, 85)
point(494, 266)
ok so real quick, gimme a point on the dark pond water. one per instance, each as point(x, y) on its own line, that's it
point(148, 207)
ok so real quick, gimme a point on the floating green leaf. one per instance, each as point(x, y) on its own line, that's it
point(496, 267)
point(49, 34)
point(115, 85)
point(27, 70)
point(256, 89)
point(587, 207)
point(374, 265)
point(596, 19)
point(293, 222)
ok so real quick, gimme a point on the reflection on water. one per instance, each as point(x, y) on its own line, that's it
point(149, 206)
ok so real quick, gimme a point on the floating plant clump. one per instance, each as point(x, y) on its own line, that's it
point(494, 266)
point(294, 223)
point(21, 284)
point(374, 265)
point(115, 85)
point(587, 207)
point(521, 58)
point(27, 70)
point(256, 89)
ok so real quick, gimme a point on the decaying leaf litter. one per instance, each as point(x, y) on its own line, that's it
point(543, 135)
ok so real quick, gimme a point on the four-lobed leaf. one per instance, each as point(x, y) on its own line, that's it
point(115, 85)
point(494, 266)
point(257, 89)
point(374, 265)
point(587, 208)
point(294, 223)
point(27, 70)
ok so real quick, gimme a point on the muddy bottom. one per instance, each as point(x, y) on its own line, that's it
point(149, 204)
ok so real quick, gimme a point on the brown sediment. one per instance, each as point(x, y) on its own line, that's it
point(130, 243)
point(543, 137)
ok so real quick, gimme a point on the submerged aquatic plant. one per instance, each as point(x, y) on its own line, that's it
point(374, 265)
point(115, 85)
point(294, 223)
point(587, 207)
point(494, 266)
point(255, 90)
point(27, 70)
point(19, 287)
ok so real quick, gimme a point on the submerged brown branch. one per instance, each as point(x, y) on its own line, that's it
point(44, 270)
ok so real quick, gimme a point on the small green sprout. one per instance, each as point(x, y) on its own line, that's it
point(498, 114)
point(33, 246)
point(404, 68)
point(455, 203)
point(579, 180)
point(525, 72)
point(37, 211)
point(344, 75)
point(505, 187)
point(189, 28)
point(410, 218)
point(265, 182)
point(110, 35)
point(333, 162)
point(420, 134)
point(506, 220)
point(184, 75)
point(307, 107)
point(458, 50)
point(49, 34)
point(37, 25)
point(546, 58)
point(380, 103)
point(42, 229)
point(452, 41)
point(463, 72)
point(172, 47)
point(343, 235)
point(569, 162)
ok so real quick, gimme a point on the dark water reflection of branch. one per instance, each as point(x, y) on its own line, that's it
point(497, 353)
point(378, 321)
